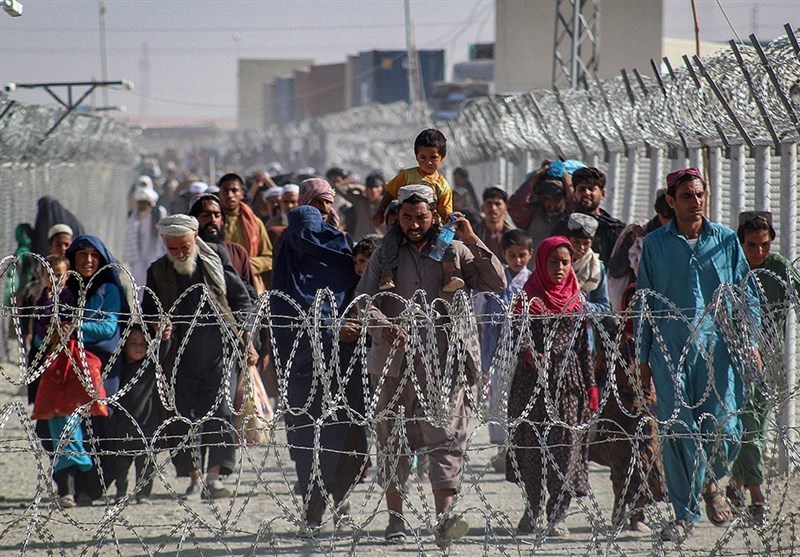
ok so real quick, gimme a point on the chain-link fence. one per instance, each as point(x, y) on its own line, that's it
point(85, 162)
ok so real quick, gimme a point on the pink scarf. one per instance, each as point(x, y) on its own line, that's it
point(552, 297)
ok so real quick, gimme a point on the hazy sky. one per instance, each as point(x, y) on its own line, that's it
point(194, 44)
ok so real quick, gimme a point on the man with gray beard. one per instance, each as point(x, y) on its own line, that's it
point(203, 350)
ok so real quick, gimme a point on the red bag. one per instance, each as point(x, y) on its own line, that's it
point(61, 390)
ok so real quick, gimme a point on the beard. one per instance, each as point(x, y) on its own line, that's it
point(212, 234)
point(186, 267)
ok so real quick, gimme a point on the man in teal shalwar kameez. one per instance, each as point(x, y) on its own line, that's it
point(698, 383)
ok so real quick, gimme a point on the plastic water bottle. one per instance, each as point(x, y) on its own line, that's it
point(444, 239)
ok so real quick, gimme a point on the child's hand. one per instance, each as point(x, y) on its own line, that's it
point(166, 334)
point(464, 230)
point(377, 219)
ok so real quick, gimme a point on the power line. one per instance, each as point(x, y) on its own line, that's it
point(218, 29)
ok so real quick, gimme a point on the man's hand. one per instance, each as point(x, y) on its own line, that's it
point(392, 333)
point(464, 230)
point(758, 360)
point(166, 333)
point(252, 354)
point(349, 332)
point(377, 219)
point(539, 172)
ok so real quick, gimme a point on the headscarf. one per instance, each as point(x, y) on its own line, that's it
point(145, 194)
point(553, 298)
point(313, 188)
point(178, 226)
point(314, 256)
point(103, 276)
point(587, 271)
point(49, 212)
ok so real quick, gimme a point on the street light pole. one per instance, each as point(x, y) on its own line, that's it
point(103, 49)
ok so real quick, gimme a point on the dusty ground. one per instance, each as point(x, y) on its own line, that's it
point(263, 517)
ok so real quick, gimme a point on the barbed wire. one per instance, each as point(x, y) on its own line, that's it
point(679, 107)
point(264, 513)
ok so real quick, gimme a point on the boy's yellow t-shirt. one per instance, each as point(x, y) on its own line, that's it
point(437, 182)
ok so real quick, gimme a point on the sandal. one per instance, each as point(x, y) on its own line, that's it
point(717, 509)
point(756, 511)
point(676, 531)
point(736, 496)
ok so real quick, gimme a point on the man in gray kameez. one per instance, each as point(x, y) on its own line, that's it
point(443, 387)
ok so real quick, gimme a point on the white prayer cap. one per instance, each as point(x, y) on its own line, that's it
point(178, 226)
point(273, 192)
point(145, 194)
point(59, 229)
point(145, 181)
point(420, 190)
point(291, 188)
point(582, 225)
point(198, 187)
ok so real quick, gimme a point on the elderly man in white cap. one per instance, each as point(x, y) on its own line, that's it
point(391, 358)
point(142, 242)
point(203, 354)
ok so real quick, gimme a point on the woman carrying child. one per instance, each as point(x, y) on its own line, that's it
point(552, 392)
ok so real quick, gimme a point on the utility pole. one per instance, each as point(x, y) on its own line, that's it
point(103, 49)
point(144, 79)
point(416, 94)
point(575, 50)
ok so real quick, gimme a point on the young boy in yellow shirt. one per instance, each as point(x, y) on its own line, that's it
point(430, 149)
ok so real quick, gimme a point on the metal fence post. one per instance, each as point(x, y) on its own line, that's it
point(696, 157)
point(715, 182)
point(656, 171)
point(612, 181)
point(631, 175)
point(763, 156)
point(791, 250)
point(737, 181)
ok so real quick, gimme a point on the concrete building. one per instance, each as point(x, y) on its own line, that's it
point(320, 90)
point(255, 79)
point(382, 75)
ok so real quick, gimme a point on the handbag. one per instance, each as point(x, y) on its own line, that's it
point(72, 379)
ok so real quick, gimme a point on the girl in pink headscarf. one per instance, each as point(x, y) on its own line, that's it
point(552, 392)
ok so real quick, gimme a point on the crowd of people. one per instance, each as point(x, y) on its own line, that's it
point(546, 263)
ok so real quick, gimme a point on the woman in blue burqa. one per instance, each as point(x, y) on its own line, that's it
point(319, 367)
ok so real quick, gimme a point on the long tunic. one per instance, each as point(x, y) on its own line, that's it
point(679, 351)
point(568, 372)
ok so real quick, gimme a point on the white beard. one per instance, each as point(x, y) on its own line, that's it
point(187, 267)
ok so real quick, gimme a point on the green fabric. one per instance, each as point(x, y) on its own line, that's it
point(24, 266)
point(749, 465)
point(773, 289)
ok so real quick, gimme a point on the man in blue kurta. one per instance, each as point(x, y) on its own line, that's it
point(698, 381)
